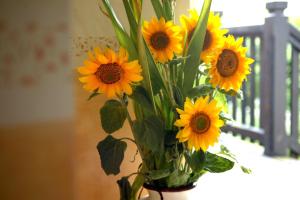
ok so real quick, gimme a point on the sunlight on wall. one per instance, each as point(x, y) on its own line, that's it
point(246, 12)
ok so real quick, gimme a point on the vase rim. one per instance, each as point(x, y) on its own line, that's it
point(174, 189)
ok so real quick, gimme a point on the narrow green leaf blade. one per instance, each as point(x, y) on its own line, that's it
point(167, 6)
point(195, 47)
point(113, 115)
point(123, 38)
point(159, 11)
point(111, 153)
point(136, 185)
point(131, 19)
point(151, 74)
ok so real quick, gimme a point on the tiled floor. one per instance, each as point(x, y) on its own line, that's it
point(271, 178)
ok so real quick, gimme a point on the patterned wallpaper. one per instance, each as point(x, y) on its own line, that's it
point(31, 51)
point(36, 77)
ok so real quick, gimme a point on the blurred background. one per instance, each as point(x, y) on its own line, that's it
point(49, 131)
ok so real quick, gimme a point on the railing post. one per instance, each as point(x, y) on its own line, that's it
point(273, 80)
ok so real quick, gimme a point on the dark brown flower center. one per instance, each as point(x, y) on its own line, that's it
point(109, 73)
point(227, 63)
point(207, 40)
point(200, 123)
point(159, 40)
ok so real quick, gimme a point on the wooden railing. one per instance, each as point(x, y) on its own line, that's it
point(271, 94)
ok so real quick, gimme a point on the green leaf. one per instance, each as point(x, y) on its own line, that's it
point(239, 94)
point(216, 164)
point(225, 117)
point(177, 178)
point(147, 61)
point(95, 93)
point(196, 160)
point(131, 19)
point(222, 100)
point(123, 38)
point(170, 138)
point(178, 97)
point(113, 115)
point(111, 153)
point(195, 48)
point(141, 97)
point(136, 6)
point(246, 170)
point(136, 185)
point(195, 176)
point(158, 174)
point(150, 133)
point(168, 9)
point(159, 11)
point(201, 90)
point(125, 188)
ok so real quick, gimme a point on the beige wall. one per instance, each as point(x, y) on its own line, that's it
point(48, 131)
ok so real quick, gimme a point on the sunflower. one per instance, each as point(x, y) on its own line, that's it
point(163, 38)
point(110, 72)
point(213, 36)
point(229, 65)
point(200, 123)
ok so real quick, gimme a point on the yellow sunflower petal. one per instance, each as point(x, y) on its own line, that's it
point(110, 72)
point(163, 39)
point(199, 123)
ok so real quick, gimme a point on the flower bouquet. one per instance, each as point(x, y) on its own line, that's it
point(177, 77)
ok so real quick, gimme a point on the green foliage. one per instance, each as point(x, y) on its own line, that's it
point(123, 38)
point(141, 97)
point(94, 94)
point(225, 117)
point(152, 76)
point(195, 48)
point(150, 133)
point(159, 11)
point(246, 170)
point(158, 174)
point(136, 185)
point(178, 96)
point(201, 90)
point(221, 99)
point(113, 115)
point(217, 164)
point(131, 19)
point(239, 94)
point(111, 153)
point(125, 188)
point(166, 161)
point(177, 178)
point(196, 160)
point(167, 6)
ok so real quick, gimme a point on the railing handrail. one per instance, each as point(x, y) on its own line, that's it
point(294, 37)
point(294, 32)
point(255, 30)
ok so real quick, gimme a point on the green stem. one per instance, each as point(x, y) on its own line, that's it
point(126, 138)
